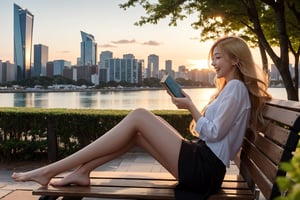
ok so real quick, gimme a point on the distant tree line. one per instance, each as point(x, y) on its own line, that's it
point(44, 82)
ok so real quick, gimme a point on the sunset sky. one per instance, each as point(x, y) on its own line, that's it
point(57, 24)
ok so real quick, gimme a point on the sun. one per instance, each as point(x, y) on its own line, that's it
point(198, 64)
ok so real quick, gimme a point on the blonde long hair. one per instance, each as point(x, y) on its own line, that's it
point(254, 78)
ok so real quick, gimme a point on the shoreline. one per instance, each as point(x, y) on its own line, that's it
point(125, 89)
point(73, 90)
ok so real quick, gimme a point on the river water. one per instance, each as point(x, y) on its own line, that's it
point(149, 99)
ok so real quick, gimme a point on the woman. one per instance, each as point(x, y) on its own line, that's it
point(198, 166)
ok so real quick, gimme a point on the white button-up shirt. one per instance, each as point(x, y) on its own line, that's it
point(225, 121)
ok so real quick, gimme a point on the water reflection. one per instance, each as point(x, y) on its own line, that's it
point(21, 99)
point(88, 99)
point(149, 99)
point(40, 100)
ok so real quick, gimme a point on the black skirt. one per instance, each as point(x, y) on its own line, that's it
point(200, 171)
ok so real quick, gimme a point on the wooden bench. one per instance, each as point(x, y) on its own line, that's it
point(258, 162)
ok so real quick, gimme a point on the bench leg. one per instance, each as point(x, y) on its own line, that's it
point(48, 197)
point(55, 197)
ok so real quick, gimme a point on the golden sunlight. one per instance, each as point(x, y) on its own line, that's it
point(218, 19)
point(198, 64)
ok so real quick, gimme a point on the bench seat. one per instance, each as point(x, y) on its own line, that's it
point(140, 185)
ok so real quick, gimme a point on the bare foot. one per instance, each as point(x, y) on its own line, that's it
point(35, 175)
point(76, 178)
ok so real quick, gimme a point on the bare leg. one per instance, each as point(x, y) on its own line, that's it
point(81, 175)
point(165, 142)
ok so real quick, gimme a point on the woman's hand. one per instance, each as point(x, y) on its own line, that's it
point(187, 103)
point(182, 102)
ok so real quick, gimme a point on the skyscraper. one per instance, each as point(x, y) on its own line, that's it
point(128, 70)
point(40, 59)
point(104, 55)
point(153, 65)
point(59, 65)
point(88, 49)
point(169, 67)
point(23, 30)
point(6, 72)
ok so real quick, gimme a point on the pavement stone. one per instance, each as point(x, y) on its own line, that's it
point(20, 194)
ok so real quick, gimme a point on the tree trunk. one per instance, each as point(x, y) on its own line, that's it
point(264, 58)
point(296, 68)
point(292, 93)
point(282, 62)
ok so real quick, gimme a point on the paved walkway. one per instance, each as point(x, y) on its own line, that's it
point(135, 161)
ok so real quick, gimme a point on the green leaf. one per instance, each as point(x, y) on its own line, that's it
point(295, 194)
point(287, 166)
point(283, 183)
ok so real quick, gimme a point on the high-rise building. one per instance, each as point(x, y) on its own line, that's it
point(40, 60)
point(104, 55)
point(49, 69)
point(169, 67)
point(153, 65)
point(88, 49)
point(128, 56)
point(59, 65)
point(2, 73)
point(6, 72)
point(23, 30)
point(86, 72)
point(182, 72)
point(128, 70)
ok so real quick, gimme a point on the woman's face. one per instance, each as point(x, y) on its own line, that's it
point(223, 65)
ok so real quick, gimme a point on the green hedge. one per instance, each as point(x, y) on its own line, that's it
point(28, 133)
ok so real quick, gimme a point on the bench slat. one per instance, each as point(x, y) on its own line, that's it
point(146, 175)
point(248, 167)
point(281, 115)
point(287, 104)
point(231, 196)
point(130, 175)
point(277, 134)
point(106, 192)
point(130, 193)
point(270, 149)
point(119, 182)
point(265, 166)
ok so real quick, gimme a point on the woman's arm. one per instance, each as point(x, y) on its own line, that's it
point(187, 103)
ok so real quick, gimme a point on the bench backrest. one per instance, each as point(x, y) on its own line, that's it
point(263, 151)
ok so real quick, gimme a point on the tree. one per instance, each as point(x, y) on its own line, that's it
point(263, 23)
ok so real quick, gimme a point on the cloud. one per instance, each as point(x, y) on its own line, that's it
point(124, 41)
point(107, 46)
point(151, 43)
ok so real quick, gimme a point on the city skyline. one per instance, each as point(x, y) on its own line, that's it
point(58, 27)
